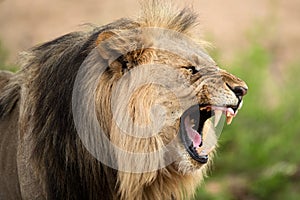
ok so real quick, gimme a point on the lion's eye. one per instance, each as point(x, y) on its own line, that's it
point(191, 69)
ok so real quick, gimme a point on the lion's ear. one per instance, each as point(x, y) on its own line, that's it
point(101, 44)
point(124, 49)
point(112, 49)
point(112, 45)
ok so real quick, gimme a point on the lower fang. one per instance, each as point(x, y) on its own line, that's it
point(206, 151)
point(229, 119)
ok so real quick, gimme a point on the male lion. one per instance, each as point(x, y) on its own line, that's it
point(130, 110)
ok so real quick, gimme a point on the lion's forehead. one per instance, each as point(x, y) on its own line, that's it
point(169, 46)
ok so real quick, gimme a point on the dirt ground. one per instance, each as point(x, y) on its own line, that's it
point(226, 24)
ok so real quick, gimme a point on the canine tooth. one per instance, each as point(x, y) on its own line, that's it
point(229, 119)
point(241, 104)
point(218, 115)
point(228, 114)
point(192, 121)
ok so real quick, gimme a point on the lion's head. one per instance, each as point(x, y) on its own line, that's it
point(159, 100)
point(130, 110)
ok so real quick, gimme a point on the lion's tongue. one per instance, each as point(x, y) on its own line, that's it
point(193, 134)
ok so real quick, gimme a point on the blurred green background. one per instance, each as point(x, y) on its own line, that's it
point(258, 40)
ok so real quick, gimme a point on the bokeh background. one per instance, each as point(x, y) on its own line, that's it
point(258, 40)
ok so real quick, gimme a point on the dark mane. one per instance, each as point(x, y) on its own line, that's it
point(58, 154)
point(44, 87)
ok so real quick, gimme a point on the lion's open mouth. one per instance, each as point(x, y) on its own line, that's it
point(192, 123)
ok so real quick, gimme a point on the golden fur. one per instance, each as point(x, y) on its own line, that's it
point(52, 160)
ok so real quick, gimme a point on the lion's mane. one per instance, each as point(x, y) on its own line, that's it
point(52, 162)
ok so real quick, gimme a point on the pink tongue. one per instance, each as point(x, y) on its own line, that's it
point(193, 134)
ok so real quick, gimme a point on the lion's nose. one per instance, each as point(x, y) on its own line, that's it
point(240, 91)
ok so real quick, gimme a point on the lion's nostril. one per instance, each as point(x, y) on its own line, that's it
point(240, 91)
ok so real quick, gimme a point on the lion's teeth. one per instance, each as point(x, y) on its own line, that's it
point(241, 104)
point(218, 115)
point(192, 121)
point(229, 119)
point(229, 115)
point(203, 108)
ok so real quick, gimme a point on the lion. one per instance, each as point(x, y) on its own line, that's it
point(129, 110)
